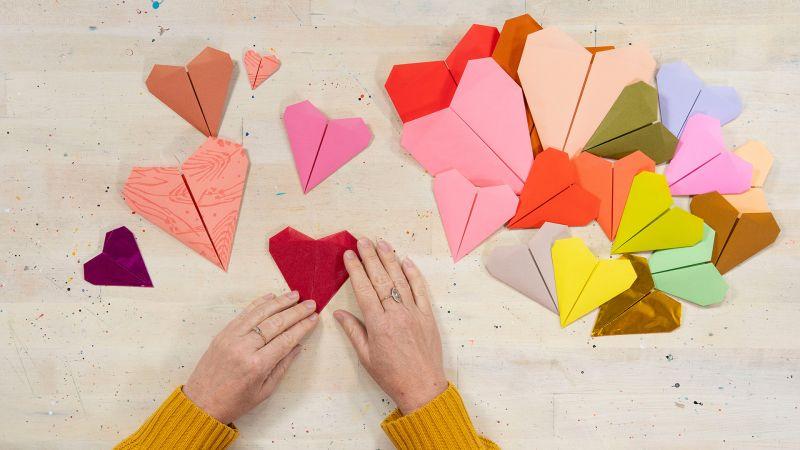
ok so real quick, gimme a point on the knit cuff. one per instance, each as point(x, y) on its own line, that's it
point(441, 424)
point(179, 423)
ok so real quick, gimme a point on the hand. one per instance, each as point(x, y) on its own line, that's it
point(241, 369)
point(398, 343)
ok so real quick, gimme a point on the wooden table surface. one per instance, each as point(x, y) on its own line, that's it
point(82, 366)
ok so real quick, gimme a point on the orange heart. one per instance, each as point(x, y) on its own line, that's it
point(611, 183)
point(198, 92)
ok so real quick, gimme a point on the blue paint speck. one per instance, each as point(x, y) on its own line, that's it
point(156, 5)
point(280, 193)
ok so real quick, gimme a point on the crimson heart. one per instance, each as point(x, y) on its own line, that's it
point(312, 267)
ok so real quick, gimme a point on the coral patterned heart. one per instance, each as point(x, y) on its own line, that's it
point(259, 68)
point(198, 203)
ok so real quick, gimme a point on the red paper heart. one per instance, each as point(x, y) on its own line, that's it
point(312, 267)
point(552, 194)
point(418, 89)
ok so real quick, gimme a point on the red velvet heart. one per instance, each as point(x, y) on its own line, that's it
point(312, 267)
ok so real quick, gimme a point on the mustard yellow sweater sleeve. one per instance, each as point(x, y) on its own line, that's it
point(180, 424)
point(442, 424)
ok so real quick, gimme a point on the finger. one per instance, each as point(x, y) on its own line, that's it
point(418, 285)
point(267, 309)
point(236, 324)
point(365, 294)
point(356, 332)
point(392, 265)
point(256, 303)
point(376, 272)
point(277, 374)
point(274, 325)
point(283, 343)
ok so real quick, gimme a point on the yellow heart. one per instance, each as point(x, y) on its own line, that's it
point(583, 282)
point(650, 223)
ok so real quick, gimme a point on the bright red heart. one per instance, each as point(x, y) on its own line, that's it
point(312, 267)
point(418, 89)
point(552, 194)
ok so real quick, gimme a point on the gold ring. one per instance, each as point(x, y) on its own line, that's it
point(260, 333)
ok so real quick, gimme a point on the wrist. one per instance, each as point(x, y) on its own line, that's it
point(423, 394)
point(196, 396)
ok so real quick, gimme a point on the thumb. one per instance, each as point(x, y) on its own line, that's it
point(356, 332)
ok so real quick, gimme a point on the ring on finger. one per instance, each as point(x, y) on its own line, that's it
point(258, 331)
point(394, 294)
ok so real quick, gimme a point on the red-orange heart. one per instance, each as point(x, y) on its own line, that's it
point(552, 194)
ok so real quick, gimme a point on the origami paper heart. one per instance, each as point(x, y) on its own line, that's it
point(640, 309)
point(583, 282)
point(650, 223)
point(470, 214)
point(570, 90)
point(511, 43)
point(312, 267)
point(753, 199)
point(321, 146)
point(482, 134)
point(688, 272)
point(198, 203)
point(120, 263)
point(552, 194)
point(529, 268)
point(419, 89)
point(259, 68)
point(739, 234)
point(682, 94)
point(701, 164)
point(508, 52)
point(198, 92)
point(629, 126)
point(610, 183)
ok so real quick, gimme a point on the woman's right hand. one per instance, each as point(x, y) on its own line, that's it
point(398, 342)
point(249, 357)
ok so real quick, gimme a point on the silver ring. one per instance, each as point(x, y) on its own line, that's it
point(394, 294)
point(258, 331)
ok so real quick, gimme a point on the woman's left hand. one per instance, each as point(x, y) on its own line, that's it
point(242, 367)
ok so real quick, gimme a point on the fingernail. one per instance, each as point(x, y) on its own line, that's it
point(349, 254)
point(294, 295)
point(364, 242)
point(407, 263)
point(338, 314)
point(313, 317)
point(310, 304)
point(383, 245)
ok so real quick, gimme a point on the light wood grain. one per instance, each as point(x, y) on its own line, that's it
point(82, 366)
